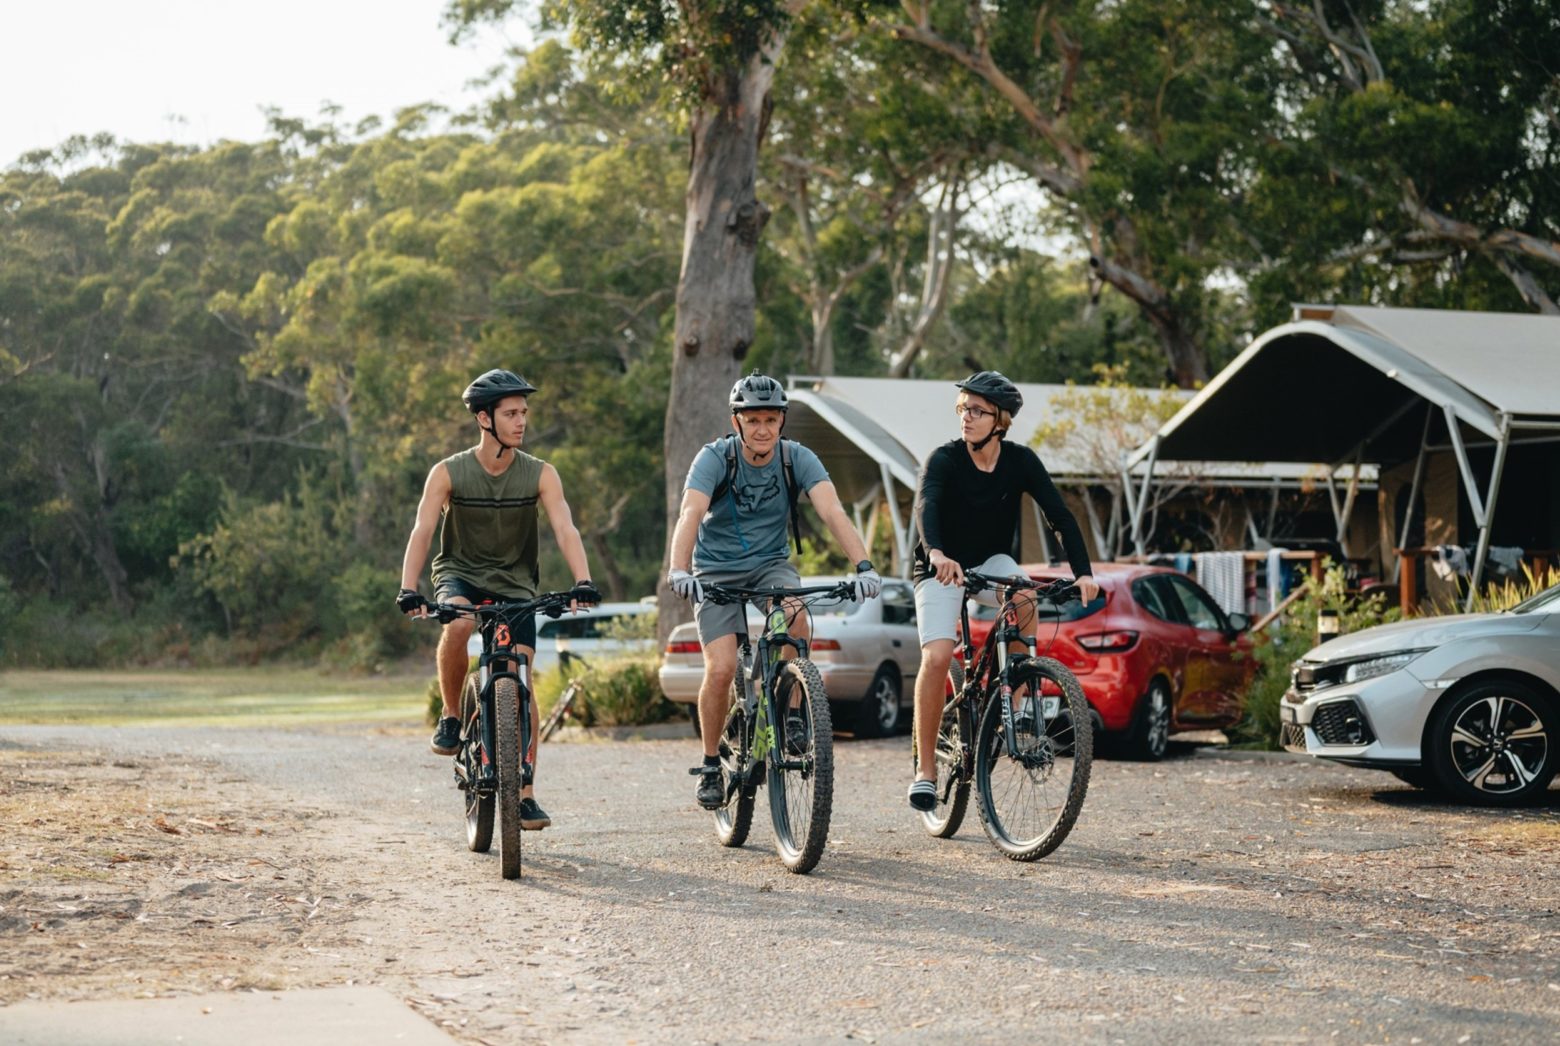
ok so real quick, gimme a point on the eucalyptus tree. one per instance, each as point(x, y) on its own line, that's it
point(1420, 162)
point(717, 59)
point(1136, 120)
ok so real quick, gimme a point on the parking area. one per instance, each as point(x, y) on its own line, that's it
point(1212, 897)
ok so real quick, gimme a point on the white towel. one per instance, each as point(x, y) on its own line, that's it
point(1275, 577)
point(1223, 574)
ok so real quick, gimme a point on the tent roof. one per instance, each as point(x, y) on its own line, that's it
point(860, 425)
point(1336, 378)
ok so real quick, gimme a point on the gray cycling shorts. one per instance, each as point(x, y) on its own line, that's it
point(728, 619)
point(937, 604)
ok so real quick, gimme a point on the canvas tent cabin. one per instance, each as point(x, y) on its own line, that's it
point(874, 434)
point(1459, 411)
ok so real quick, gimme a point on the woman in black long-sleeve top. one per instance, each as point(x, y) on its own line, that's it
point(967, 509)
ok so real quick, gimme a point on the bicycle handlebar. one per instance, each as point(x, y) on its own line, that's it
point(1057, 590)
point(724, 594)
point(550, 604)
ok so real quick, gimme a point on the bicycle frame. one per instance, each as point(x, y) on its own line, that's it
point(986, 670)
point(765, 669)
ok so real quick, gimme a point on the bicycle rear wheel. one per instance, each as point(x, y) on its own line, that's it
point(953, 777)
point(801, 782)
point(734, 820)
point(479, 807)
point(1030, 797)
point(511, 742)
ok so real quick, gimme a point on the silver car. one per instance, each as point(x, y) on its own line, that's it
point(867, 653)
point(1469, 704)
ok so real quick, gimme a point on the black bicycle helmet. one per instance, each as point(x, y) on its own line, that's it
point(492, 387)
point(757, 392)
point(991, 385)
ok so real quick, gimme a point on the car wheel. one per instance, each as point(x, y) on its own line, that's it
point(878, 714)
point(1150, 733)
point(1496, 743)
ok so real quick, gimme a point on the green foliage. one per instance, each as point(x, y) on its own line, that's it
point(1292, 636)
point(621, 692)
point(1494, 597)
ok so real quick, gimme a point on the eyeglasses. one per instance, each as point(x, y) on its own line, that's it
point(977, 413)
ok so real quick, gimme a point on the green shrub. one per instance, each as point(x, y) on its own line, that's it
point(1289, 638)
point(623, 692)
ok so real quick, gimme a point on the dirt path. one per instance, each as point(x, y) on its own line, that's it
point(1207, 898)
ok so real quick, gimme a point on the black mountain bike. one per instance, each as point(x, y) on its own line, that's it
point(754, 745)
point(497, 753)
point(1016, 727)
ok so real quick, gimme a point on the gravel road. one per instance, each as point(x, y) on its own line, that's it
point(1210, 897)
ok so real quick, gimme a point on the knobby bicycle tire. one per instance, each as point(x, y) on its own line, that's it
point(1029, 803)
point(954, 735)
point(479, 808)
point(507, 710)
point(734, 820)
point(801, 784)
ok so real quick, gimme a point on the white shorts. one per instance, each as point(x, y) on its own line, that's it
point(937, 604)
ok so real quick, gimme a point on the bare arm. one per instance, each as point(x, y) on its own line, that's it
point(826, 502)
point(550, 490)
point(695, 504)
point(435, 495)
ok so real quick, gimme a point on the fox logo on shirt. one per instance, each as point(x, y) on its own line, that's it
point(755, 495)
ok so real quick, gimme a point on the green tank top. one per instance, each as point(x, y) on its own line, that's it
point(488, 534)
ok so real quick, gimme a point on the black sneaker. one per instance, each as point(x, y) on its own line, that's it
point(446, 736)
point(796, 734)
point(711, 793)
point(532, 817)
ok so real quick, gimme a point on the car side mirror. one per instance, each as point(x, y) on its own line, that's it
point(1239, 622)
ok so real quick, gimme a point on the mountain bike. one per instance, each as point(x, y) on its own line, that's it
point(571, 693)
point(754, 744)
point(497, 753)
point(1017, 728)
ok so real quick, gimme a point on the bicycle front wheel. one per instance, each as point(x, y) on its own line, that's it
point(1032, 790)
point(801, 767)
point(734, 820)
point(479, 805)
point(510, 741)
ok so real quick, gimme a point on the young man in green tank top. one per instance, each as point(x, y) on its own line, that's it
point(483, 503)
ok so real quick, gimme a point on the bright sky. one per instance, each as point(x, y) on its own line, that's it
point(197, 71)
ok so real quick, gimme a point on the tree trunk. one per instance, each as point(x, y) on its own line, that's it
point(715, 296)
point(608, 569)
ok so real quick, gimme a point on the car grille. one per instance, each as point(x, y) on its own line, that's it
point(1341, 723)
point(1292, 736)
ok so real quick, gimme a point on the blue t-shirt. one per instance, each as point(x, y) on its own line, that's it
point(746, 527)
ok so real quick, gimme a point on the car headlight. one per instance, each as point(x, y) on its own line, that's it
point(1372, 667)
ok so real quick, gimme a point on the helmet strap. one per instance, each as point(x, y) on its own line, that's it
point(742, 436)
point(492, 430)
point(980, 444)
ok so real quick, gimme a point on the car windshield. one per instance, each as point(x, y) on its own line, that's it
point(1545, 602)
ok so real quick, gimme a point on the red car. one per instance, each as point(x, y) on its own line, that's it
point(1158, 655)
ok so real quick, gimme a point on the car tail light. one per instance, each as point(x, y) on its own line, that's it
point(1108, 642)
point(825, 644)
point(683, 646)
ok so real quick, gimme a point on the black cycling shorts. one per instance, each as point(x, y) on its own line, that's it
point(447, 587)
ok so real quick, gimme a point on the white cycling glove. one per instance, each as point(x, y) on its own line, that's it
point(868, 581)
point(686, 586)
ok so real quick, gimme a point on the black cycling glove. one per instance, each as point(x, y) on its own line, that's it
point(585, 593)
point(409, 600)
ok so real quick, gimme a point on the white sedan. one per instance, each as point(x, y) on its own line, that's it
point(1469, 703)
point(867, 653)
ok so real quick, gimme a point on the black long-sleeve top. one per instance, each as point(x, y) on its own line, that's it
point(972, 515)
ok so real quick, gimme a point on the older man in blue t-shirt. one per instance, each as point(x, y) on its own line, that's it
point(735, 534)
